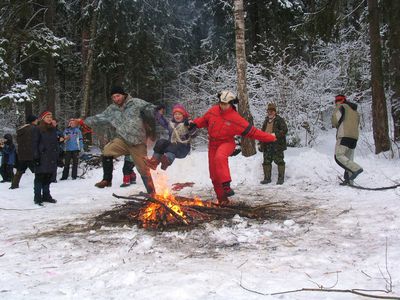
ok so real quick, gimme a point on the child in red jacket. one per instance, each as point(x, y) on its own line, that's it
point(224, 123)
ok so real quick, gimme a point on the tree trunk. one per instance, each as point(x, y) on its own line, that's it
point(87, 59)
point(248, 145)
point(379, 110)
point(393, 12)
point(50, 63)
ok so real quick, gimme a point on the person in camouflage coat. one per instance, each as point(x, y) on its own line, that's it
point(273, 152)
point(131, 118)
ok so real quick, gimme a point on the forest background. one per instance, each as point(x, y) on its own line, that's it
point(64, 56)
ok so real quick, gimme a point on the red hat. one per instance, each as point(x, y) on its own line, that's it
point(180, 108)
point(340, 98)
point(44, 114)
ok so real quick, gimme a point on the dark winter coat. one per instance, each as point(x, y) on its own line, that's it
point(8, 151)
point(45, 148)
point(24, 142)
point(280, 129)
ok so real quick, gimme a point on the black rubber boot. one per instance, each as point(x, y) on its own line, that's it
point(16, 179)
point(107, 168)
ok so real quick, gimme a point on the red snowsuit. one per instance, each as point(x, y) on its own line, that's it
point(222, 128)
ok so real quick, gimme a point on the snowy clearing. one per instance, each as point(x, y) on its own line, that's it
point(344, 239)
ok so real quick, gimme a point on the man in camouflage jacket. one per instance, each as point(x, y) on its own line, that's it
point(130, 117)
point(273, 152)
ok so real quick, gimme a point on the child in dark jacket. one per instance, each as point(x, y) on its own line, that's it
point(73, 141)
point(45, 155)
point(9, 158)
point(178, 144)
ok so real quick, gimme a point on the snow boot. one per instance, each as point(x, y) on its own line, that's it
point(281, 174)
point(16, 179)
point(126, 181)
point(346, 180)
point(38, 200)
point(48, 198)
point(107, 172)
point(355, 174)
point(165, 162)
point(267, 174)
point(132, 178)
point(227, 189)
point(152, 162)
point(103, 183)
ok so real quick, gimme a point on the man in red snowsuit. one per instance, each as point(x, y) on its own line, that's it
point(223, 123)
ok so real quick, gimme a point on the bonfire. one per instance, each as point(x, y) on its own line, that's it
point(170, 211)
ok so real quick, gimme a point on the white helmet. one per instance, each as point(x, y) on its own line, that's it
point(226, 96)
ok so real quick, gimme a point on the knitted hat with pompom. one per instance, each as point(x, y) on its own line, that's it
point(44, 114)
point(180, 108)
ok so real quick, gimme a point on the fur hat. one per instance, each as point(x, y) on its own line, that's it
point(226, 97)
point(31, 118)
point(180, 108)
point(44, 114)
point(117, 90)
point(271, 106)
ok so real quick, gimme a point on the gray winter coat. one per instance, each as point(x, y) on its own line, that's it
point(127, 119)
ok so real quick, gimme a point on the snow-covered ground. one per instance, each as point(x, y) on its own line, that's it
point(340, 237)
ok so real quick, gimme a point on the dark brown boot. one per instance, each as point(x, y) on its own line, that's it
point(16, 179)
point(102, 184)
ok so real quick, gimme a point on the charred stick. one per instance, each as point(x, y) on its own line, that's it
point(129, 198)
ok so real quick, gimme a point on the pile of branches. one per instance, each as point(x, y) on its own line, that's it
point(129, 213)
point(89, 162)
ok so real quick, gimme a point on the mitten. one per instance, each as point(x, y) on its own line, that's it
point(191, 125)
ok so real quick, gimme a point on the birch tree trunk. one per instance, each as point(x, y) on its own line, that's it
point(87, 58)
point(248, 145)
point(379, 110)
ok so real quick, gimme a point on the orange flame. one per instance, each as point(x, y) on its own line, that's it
point(155, 214)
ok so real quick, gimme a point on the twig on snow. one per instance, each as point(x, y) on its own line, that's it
point(19, 209)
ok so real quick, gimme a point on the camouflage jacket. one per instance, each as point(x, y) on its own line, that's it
point(128, 119)
point(280, 129)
